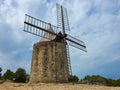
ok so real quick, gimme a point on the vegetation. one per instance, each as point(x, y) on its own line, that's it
point(8, 75)
point(0, 72)
point(110, 82)
point(96, 79)
point(73, 78)
point(19, 76)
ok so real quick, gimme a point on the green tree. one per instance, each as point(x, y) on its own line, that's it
point(97, 79)
point(20, 75)
point(94, 79)
point(0, 69)
point(8, 75)
point(73, 78)
point(0, 72)
point(111, 82)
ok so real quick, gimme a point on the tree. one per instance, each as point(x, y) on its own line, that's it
point(0, 72)
point(94, 79)
point(111, 82)
point(20, 75)
point(0, 69)
point(8, 75)
point(73, 78)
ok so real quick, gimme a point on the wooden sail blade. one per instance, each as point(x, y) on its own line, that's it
point(62, 17)
point(76, 43)
point(38, 27)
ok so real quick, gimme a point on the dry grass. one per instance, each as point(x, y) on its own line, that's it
point(21, 86)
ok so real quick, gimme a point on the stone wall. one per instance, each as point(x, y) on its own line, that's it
point(49, 63)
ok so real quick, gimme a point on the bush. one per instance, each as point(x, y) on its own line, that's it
point(20, 75)
point(73, 78)
point(8, 75)
point(0, 72)
point(96, 79)
point(111, 82)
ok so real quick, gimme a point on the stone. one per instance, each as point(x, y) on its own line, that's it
point(49, 63)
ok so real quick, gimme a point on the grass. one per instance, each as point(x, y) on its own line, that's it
point(43, 86)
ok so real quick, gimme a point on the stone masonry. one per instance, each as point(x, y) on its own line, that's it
point(49, 63)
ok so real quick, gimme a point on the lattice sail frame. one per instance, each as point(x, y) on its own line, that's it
point(62, 19)
point(40, 28)
point(63, 22)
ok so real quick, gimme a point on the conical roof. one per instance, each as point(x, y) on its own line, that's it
point(47, 36)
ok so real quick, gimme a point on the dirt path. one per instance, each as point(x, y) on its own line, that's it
point(21, 86)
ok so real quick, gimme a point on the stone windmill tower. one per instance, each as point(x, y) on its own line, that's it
point(51, 60)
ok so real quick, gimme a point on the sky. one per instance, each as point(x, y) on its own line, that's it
point(96, 22)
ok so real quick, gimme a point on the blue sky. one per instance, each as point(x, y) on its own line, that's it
point(96, 22)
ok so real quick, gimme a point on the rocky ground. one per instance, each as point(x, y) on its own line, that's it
point(42, 86)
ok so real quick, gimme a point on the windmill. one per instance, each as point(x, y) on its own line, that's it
point(55, 41)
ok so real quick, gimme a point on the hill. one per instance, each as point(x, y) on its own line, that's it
point(99, 80)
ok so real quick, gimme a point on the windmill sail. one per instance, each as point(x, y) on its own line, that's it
point(48, 31)
point(76, 43)
point(39, 28)
point(62, 18)
point(63, 23)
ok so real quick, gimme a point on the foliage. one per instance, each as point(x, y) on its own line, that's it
point(0, 72)
point(20, 75)
point(111, 82)
point(8, 75)
point(96, 79)
point(73, 78)
point(0, 69)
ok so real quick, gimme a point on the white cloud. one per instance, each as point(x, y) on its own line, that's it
point(94, 21)
point(3, 59)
